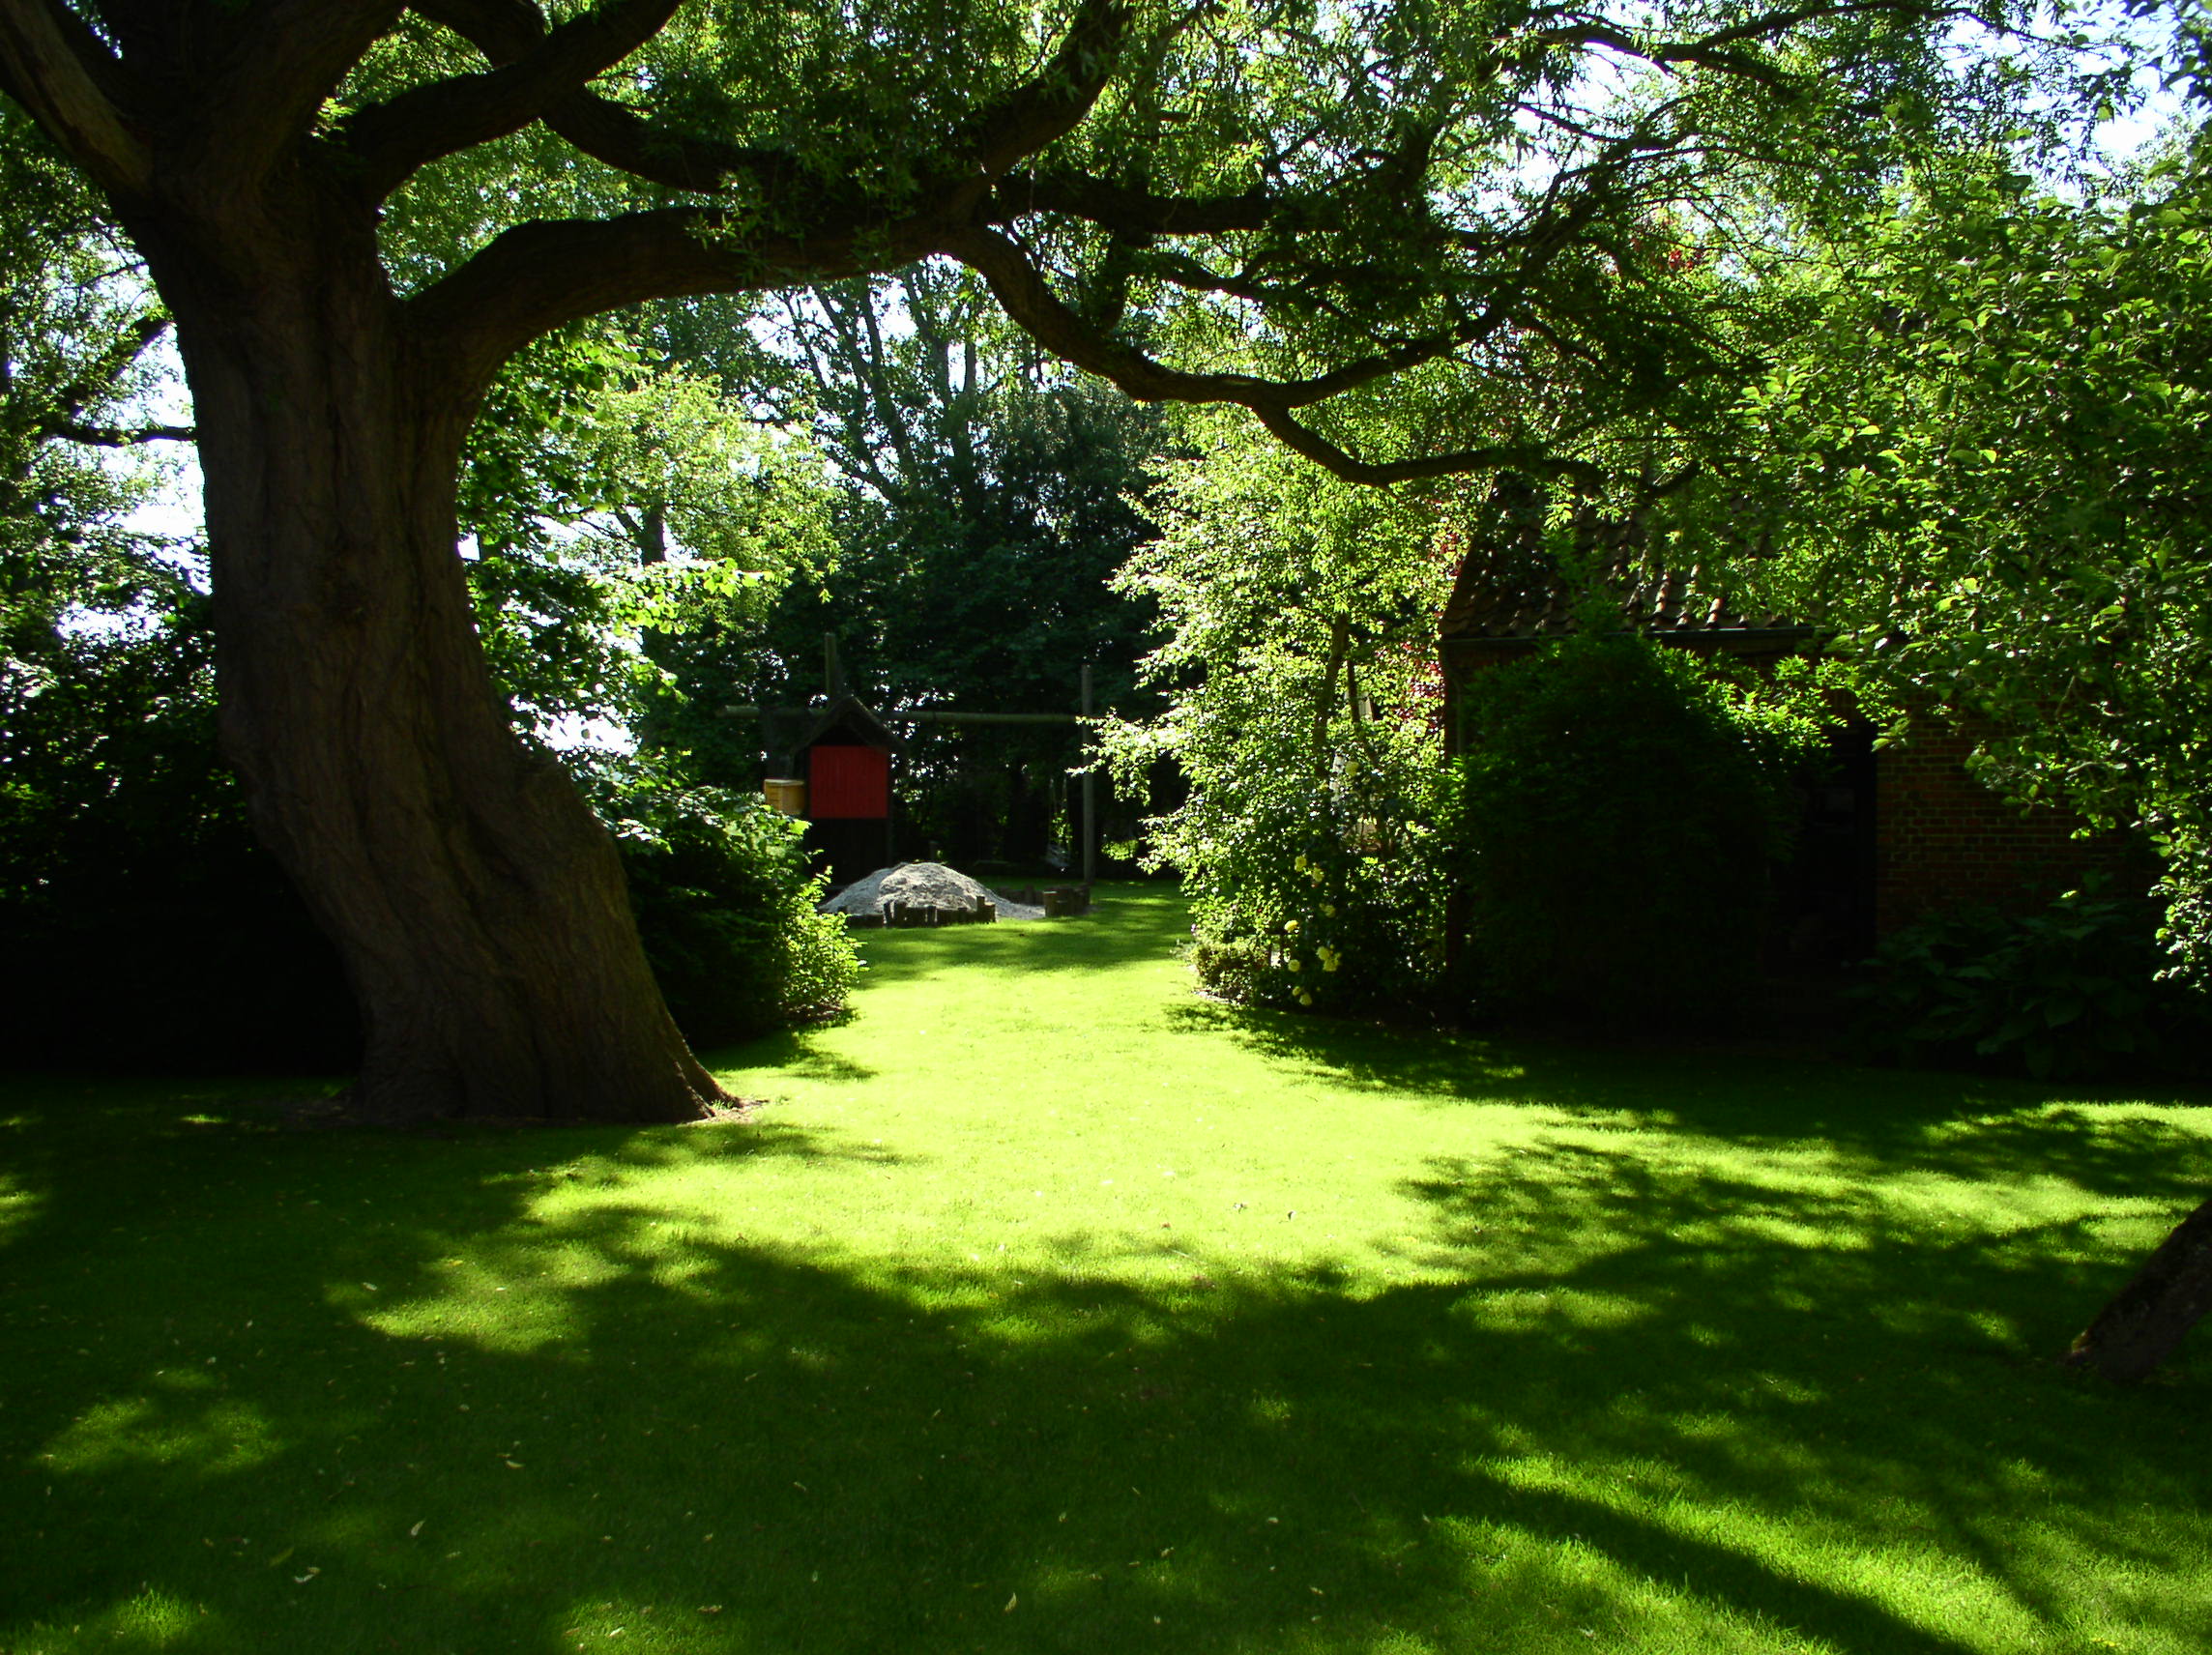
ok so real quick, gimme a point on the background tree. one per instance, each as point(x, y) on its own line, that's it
point(1274, 208)
point(1303, 710)
point(1605, 831)
point(1982, 458)
point(623, 510)
point(989, 496)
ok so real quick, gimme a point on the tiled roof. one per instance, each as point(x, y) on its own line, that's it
point(1515, 591)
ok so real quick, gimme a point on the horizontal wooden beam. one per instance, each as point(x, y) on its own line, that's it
point(947, 716)
point(943, 715)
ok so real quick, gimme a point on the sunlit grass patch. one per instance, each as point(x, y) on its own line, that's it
point(1044, 1307)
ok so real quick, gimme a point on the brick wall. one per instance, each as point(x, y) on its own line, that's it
point(1942, 838)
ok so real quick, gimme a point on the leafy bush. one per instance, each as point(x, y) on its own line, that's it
point(725, 904)
point(2064, 993)
point(1334, 903)
point(1231, 968)
point(146, 928)
point(1298, 662)
point(1619, 808)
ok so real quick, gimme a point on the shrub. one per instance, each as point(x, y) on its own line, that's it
point(1334, 904)
point(1231, 968)
point(1619, 809)
point(146, 929)
point(2065, 992)
point(726, 905)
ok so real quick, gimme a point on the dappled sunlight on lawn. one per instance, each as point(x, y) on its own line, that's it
point(1142, 1334)
point(183, 1421)
point(17, 1207)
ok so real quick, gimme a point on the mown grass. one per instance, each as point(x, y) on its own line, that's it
point(1047, 1307)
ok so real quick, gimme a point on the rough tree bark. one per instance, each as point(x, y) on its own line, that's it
point(2162, 1301)
point(479, 905)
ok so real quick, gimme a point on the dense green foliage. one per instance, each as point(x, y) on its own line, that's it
point(1471, 233)
point(1297, 613)
point(617, 504)
point(1516, 236)
point(145, 927)
point(1611, 828)
point(144, 923)
point(1984, 449)
point(985, 501)
point(1497, 195)
point(1618, 815)
point(2068, 991)
point(74, 327)
point(725, 903)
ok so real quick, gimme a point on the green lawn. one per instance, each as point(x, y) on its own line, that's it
point(1047, 1307)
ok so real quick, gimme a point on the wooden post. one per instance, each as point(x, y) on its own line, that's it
point(1090, 795)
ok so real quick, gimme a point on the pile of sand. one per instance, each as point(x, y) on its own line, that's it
point(925, 884)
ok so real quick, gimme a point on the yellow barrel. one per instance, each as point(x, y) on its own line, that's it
point(786, 795)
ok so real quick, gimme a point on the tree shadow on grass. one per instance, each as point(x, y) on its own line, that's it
point(1902, 1367)
point(798, 1053)
point(1966, 1125)
point(357, 1392)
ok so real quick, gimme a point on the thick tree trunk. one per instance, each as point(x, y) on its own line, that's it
point(2162, 1301)
point(479, 905)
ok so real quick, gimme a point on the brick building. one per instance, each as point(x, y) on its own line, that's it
point(1885, 836)
point(1940, 837)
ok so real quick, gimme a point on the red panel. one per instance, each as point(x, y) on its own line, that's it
point(847, 783)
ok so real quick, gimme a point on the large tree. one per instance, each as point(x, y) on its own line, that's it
point(1271, 206)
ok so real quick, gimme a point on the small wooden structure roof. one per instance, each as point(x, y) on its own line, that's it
point(787, 732)
point(849, 716)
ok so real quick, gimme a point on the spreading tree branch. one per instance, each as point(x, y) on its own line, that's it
point(1024, 295)
point(507, 32)
point(278, 64)
point(115, 437)
point(395, 140)
point(72, 86)
point(1130, 211)
point(538, 276)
